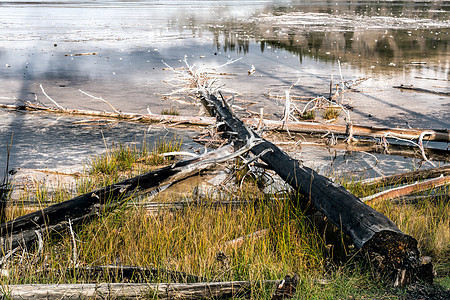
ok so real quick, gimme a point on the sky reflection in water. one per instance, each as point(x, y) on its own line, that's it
point(284, 40)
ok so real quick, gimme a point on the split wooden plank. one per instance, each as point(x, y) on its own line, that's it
point(407, 176)
point(407, 189)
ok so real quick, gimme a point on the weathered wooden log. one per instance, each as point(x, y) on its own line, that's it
point(300, 127)
point(407, 189)
point(149, 118)
point(395, 253)
point(444, 197)
point(206, 290)
point(407, 177)
point(156, 207)
point(24, 230)
point(358, 130)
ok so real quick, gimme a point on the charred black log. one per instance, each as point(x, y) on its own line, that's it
point(24, 230)
point(395, 254)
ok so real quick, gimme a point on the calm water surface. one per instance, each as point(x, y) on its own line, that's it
point(387, 42)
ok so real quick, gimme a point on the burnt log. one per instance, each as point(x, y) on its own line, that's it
point(25, 230)
point(118, 273)
point(394, 253)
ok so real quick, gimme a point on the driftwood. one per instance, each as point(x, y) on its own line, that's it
point(300, 127)
point(394, 253)
point(416, 199)
point(357, 130)
point(421, 90)
point(156, 207)
point(407, 189)
point(205, 290)
point(407, 177)
point(370, 146)
point(25, 229)
point(150, 118)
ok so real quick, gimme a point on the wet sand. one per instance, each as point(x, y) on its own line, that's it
point(386, 43)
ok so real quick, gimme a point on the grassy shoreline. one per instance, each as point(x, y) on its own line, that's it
point(190, 240)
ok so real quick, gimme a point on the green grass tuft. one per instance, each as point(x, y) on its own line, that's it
point(309, 115)
point(331, 113)
point(123, 158)
point(171, 111)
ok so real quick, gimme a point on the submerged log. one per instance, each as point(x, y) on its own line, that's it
point(25, 229)
point(420, 90)
point(394, 253)
point(206, 290)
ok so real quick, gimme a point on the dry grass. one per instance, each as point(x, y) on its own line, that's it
point(189, 240)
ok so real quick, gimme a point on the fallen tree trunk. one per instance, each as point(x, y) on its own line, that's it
point(358, 130)
point(300, 127)
point(206, 290)
point(25, 229)
point(407, 177)
point(136, 274)
point(395, 253)
point(407, 189)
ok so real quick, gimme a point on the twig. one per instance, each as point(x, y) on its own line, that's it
point(82, 54)
point(342, 80)
point(40, 246)
point(48, 97)
point(180, 153)
point(72, 234)
point(419, 144)
point(101, 99)
point(5, 258)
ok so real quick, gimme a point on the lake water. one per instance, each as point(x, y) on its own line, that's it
point(387, 43)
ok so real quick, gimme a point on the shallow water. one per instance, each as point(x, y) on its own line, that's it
point(388, 42)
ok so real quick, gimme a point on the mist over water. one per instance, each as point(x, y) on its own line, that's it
point(387, 42)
